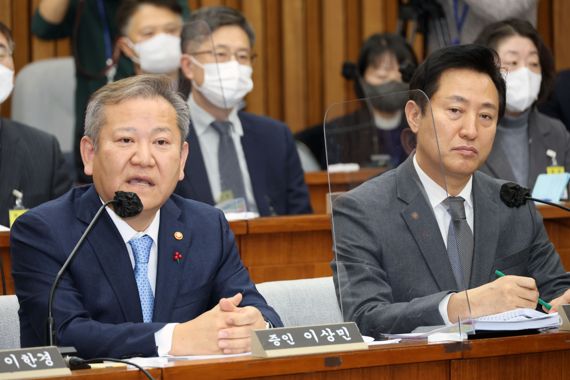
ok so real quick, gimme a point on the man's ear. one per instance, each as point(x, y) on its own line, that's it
point(186, 66)
point(87, 149)
point(413, 115)
point(183, 156)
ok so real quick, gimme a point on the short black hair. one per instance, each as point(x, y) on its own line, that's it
point(379, 44)
point(472, 57)
point(494, 33)
point(7, 33)
point(214, 18)
point(129, 7)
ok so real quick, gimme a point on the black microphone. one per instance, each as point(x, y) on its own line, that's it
point(514, 195)
point(126, 205)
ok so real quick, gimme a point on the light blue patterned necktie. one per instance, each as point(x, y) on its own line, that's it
point(141, 251)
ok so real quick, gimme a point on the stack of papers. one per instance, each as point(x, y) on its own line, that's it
point(518, 319)
point(513, 320)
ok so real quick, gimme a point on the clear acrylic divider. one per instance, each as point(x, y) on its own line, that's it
point(392, 270)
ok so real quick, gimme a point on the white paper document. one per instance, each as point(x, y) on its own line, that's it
point(518, 319)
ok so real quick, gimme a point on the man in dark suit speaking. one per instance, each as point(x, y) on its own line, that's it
point(397, 267)
point(234, 155)
point(168, 280)
point(30, 160)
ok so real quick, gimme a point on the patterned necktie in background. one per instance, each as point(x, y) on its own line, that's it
point(231, 180)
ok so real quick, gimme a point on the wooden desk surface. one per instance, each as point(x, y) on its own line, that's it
point(318, 184)
point(293, 247)
point(542, 356)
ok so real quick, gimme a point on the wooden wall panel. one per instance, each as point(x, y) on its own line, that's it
point(334, 53)
point(253, 11)
point(372, 20)
point(294, 75)
point(561, 43)
point(314, 62)
point(272, 88)
point(301, 46)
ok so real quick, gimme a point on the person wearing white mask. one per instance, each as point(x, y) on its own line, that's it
point(150, 35)
point(239, 161)
point(527, 141)
point(91, 26)
point(30, 160)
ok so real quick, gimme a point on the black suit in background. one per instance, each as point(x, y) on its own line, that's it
point(558, 105)
point(350, 139)
point(30, 161)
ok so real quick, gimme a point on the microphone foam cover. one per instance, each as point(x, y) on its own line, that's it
point(127, 204)
point(514, 195)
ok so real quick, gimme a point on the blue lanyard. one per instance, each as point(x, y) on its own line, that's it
point(106, 33)
point(459, 20)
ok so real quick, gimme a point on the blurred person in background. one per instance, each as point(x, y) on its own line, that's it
point(371, 134)
point(527, 141)
point(30, 160)
point(92, 27)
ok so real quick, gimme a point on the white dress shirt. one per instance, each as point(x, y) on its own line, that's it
point(162, 337)
point(436, 195)
point(209, 140)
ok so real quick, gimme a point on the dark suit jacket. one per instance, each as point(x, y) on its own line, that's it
point(97, 307)
point(350, 139)
point(558, 105)
point(30, 161)
point(276, 174)
point(543, 133)
point(391, 262)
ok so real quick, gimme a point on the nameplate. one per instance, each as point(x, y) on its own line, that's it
point(28, 363)
point(305, 340)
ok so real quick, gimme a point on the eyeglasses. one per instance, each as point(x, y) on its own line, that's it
point(244, 57)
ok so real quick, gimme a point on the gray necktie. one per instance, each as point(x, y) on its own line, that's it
point(231, 180)
point(459, 241)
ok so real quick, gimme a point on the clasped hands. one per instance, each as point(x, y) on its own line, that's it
point(224, 329)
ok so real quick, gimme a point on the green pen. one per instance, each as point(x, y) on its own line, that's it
point(540, 300)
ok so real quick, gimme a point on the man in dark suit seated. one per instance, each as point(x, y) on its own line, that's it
point(30, 160)
point(397, 267)
point(234, 155)
point(168, 280)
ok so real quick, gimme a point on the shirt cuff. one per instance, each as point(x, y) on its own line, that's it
point(163, 339)
point(443, 309)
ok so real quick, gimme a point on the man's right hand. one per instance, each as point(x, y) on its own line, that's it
point(503, 294)
point(200, 335)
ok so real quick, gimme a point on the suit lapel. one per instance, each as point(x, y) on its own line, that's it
point(11, 169)
point(195, 170)
point(486, 234)
point(255, 161)
point(108, 246)
point(420, 219)
point(174, 236)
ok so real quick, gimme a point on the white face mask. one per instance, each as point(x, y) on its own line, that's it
point(225, 84)
point(523, 87)
point(159, 54)
point(6, 82)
